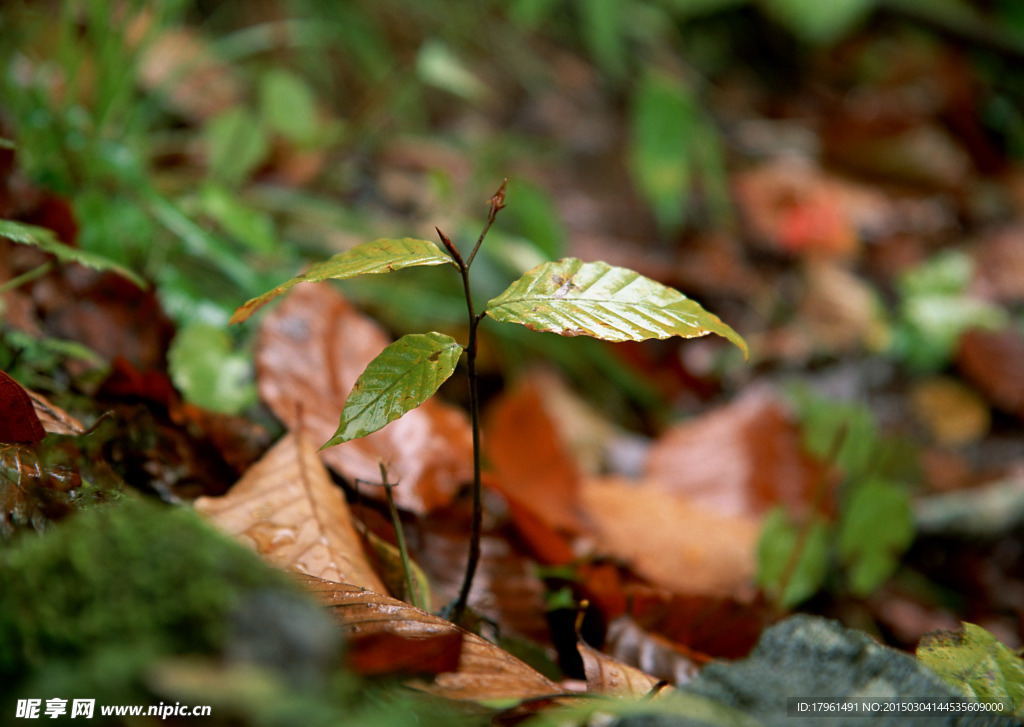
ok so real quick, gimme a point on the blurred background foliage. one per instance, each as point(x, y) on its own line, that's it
point(215, 147)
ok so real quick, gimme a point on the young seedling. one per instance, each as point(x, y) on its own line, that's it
point(568, 297)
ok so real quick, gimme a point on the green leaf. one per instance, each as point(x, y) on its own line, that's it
point(379, 256)
point(250, 226)
point(236, 144)
point(288, 106)
point(438, 66)
point(975, 663)
point(403, 376)
point(45, 240)
point(792, 583)
point(876, 527)
point(573, 298)
point(208, 372)
point(806, 19)
point(602, 26)
point(666, 135)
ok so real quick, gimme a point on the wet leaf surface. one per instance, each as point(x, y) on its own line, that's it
point(287, 509)
point(404, 375)
point(574, 298)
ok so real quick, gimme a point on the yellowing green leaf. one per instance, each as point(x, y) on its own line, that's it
point(379, 256)
point(573, 298)
point(974, 662)
point(403, 376)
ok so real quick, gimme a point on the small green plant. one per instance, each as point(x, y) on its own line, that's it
point(568, 297)
point(874, 524)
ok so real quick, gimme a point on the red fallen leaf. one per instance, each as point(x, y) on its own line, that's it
point(532, 467)
point(127, 381)
point(310, 351)
point(741, 459)
point(798, 208)
point(993, 361)
point(378, 654)
point(19, 423)
point(701, 626)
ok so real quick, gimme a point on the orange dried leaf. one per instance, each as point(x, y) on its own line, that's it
point(532, 466)
point(485, 671)
point(289, 511)
point(739, 460)
point(671, 541)
point(310, 352)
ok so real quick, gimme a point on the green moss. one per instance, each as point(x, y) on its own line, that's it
point(120, 584)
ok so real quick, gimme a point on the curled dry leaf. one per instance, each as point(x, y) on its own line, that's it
point(288, 510)
point(739, 460)
point(652, 653)
point(671, 541)
point(54, 419)
point(485, 671)
point(311, 350)
point(607, 675)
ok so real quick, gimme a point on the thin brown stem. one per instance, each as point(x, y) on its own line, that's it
point(476, 532)
point(497, 203)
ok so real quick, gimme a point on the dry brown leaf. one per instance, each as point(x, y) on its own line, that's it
point(671, 541)
point(607, 675)
point(738, 460)
point(485, 671)
point(54, 419)
point(311, 350)
point(287, 509)
point(532, 466)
